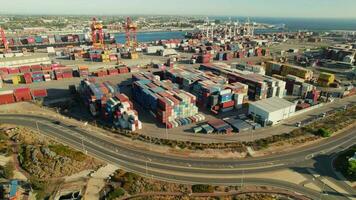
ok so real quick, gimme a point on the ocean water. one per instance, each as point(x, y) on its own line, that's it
point(294, 24)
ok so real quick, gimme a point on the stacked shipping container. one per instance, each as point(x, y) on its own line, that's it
point(21, 94)
point(106, 101)
point(259, 86)
point(212, 91)
point(171, 106)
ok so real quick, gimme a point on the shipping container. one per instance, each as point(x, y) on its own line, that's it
point(7, 97)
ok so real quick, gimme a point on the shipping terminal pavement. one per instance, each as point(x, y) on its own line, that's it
point(215, 171)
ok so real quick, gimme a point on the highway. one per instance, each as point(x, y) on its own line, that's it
point(193, 171)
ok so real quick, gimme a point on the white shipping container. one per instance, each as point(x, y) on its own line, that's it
point(6, 92)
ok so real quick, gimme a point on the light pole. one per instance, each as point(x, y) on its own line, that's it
point(322, 191)
point(83, 147)
point(242, 178)
point(146, 161)
point(166, 131)
point(38, 128)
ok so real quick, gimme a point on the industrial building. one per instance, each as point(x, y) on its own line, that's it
point(271, 111)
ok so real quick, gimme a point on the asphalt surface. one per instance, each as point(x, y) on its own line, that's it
point(193, 171)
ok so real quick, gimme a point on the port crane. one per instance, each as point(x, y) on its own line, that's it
point(131, 37)
point(4, 40)
point(97, 34)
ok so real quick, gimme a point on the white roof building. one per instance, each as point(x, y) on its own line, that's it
point(272, 110)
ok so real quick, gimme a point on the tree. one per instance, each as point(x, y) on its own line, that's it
point(352, 169)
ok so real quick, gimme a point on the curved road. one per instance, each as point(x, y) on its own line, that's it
point(193, 171)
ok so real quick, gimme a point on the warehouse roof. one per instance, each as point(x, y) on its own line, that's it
point(272, 104)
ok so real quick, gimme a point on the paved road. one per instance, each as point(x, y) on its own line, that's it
point(188, 170)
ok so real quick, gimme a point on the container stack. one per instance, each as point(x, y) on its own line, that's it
point(170, 106)
point(83, 71)
point(113, 71)
point(37, 77)
point(212, 91)
point(7, 97)
point(27, 78)
point(63, 73)
point(325, 79)
point(224, 56)
point(312, 97)
point(259, 86)
point(25, 69)
point(284, 69)
point(22, 94)
point(123, 114)
point(105, 100)
point(39, 93)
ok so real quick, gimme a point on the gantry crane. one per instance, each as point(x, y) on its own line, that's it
point(4, 40)
point(131, 38)
point(97, 34)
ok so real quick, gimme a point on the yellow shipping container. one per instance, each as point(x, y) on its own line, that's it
point(296, 71)
point(16, 79)
point(133, 55)
point(325, 79)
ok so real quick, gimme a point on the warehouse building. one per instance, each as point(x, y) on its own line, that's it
point(271, 111)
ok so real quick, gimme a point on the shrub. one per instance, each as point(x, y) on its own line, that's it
point(324, 133)
point(8, 171)
point(116, 193)
point(202, 188)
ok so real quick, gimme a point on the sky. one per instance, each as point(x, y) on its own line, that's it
point(253, 8)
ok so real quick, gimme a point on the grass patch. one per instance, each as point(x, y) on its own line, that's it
point(65, 151)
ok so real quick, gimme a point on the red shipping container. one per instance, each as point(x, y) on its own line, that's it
point(228, 104)
point(31, 40)
point(22, 94)
point(25, 69)
point(7, 97)
point(39, 93)
point(67, 75)
point(4, 70)
point(46, 68)
point(13, 70)
point(28, 78)
point(36, 68)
